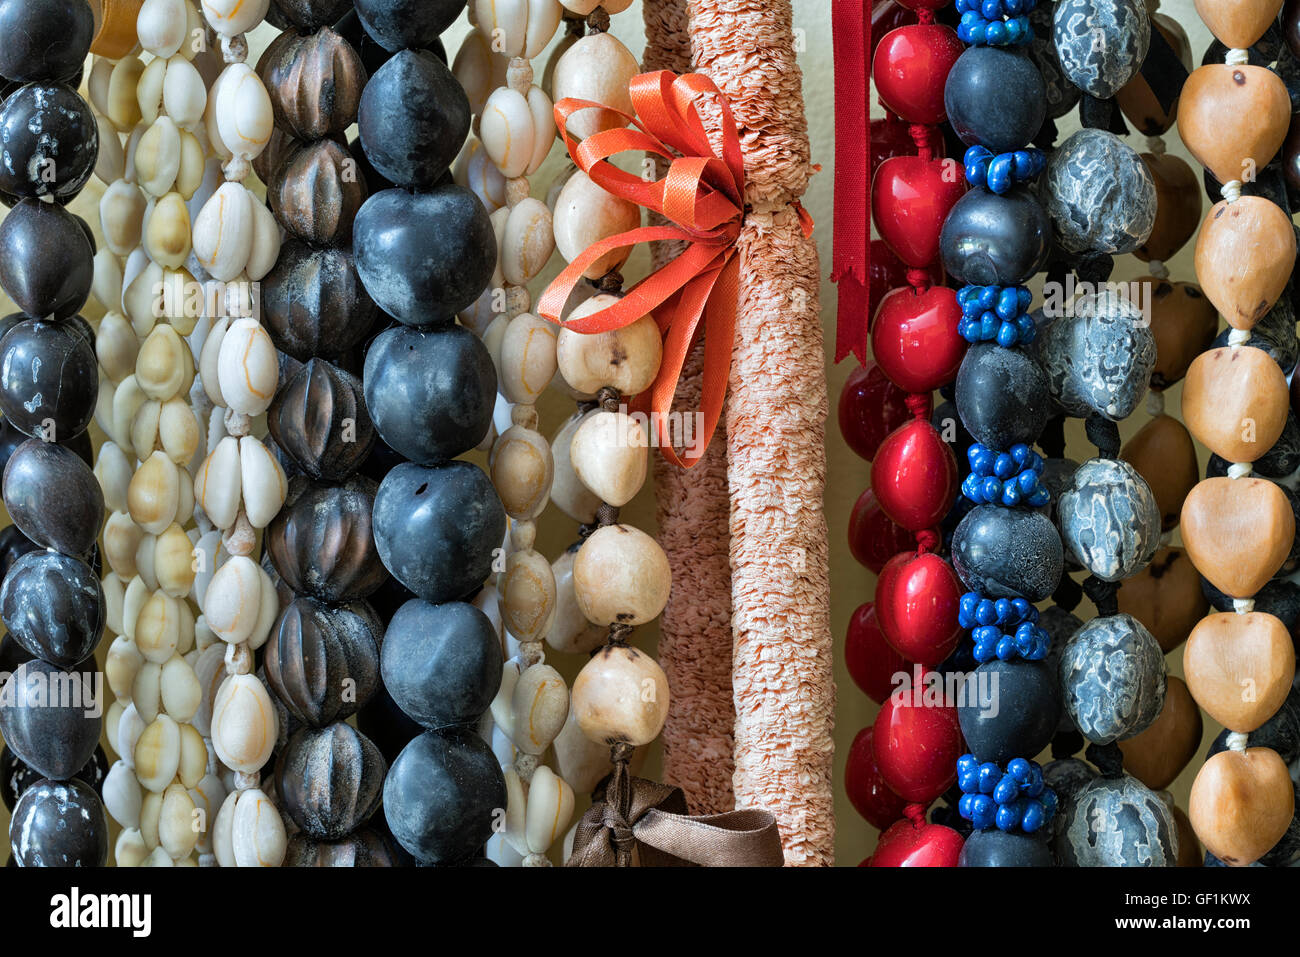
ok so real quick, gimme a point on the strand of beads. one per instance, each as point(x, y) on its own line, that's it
point(1005, 550)
point(51, 600)
point(424, 252)
point(322, 660)
point(240, 487)
point(1239, 529)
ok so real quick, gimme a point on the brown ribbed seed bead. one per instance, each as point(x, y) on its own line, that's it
point(316, 192)
point(314, 81)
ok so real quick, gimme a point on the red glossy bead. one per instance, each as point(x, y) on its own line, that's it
point(891, 137)
point(917, 844)
point(911, 67)
point(910, 199)
point(871, 660)
point(873, 538)
point(887, 272)
point(888, 15)
point(916, 605)
point(916, 747)
point(914, 476)
point(867, 792)
point(870, 408)
point(914, 338)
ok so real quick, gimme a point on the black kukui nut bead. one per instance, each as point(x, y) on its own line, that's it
point(11, 438)
point(365, 847)
point(48, 380)
point(313, 302)
point(995, 97)
point(1008, 709)
point(330, 780)
point(53, 497)
point(989, 239)
point(319, 419)
point(44, 39)
point(1008, 553)
point(322, 661)
point(321, 541)
point(59, 824)
point(399, 24)
point(424, 256)
point(373, 56)
point(1002, 396)
point(441, 663)
point(16, 775)
point(413, 118)
point(443, 794)
point(13, 546)
point(309, 16)
point(49, 717)
point(46, 264)
point(436, 528)
point(1004, 849)
point(48, 142)
point(53, 605)
point(387, 725)
point(431, 392)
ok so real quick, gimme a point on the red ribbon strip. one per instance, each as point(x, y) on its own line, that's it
point(851, 259)
point(702, 196)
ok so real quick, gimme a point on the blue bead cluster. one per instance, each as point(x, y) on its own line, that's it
point(1004, 628)
point(996, 314)
point(998, 172)
point(1005, 478)
point(1015, 799)
point(983, 23)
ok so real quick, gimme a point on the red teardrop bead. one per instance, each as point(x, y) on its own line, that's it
point(865, 788)
point(910, 199)
point(914, 338)
point(916, 605)
point(916, 747)
point(914, 476)
point(873, 537)
point(870, 408)
point(872, 661)
point(888, 15)
point(911, 67)
point(917, 844)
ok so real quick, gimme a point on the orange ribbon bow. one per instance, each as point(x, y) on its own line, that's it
point(702, 196)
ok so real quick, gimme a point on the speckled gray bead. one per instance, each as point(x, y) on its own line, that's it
point(1112, 678)
point(1097, 357)
point(1118, 822)
point(1101, 43)
point(1109, 520)
point(1098, 194)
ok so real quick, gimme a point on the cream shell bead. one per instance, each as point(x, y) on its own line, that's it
point(161, 26)
point(265, 246)
point(181, 693)
point(144, 428)
point(610, 454)
point(162, 369)
point(247, 367)
point(97, 80)
point(208, 357)
point(122, 795)
point(121, 216)
point(206, 552)
point(128, 398)
point(137, 593)
point(550, 807)
point(208, 796)
point(178, 431)
point(570, 631)
point(106, 287)
point(176, 833)
point(167, 234)
point(223, 232)
point(114, 474)
point(185, 96)
point(132, 143)
point(267, 614)
point(505, 22)
point(502, 708)
point(528, 241)
point(264, 483)
point(244, 724)
point(621, 575)
point(185, 644)
point(516, 812)
point(543, 20)
point(190, 170)
point(479, 69)
point(157, 628)
point(158, 754)
point(121, 107)
point(121, 664)
point(567, 491)
point(158, 857)
point(586, 213)
point(217, 484)
point(527, 358)
point(144, 555)
point(112, 720)
point(149, 91)
point(597, 68)
point(116, 345)
point(129, 850)
point(153, 494)
point(158, 156)
point(478, 317)
point(521, 471)
point(540, 702)
point(539, 104)
point(140, 294)
point(110, 162)
point(129, 728)
point(173, 562)
point(479, 175)
point(194, 757)
point(621, 697)
point(114, 598)
point(626, 359)
point(150, 810)
point(233, 602)
point(244, 114)
point(506, 129)
point(233, 17)
point(527, 588)
point(210, 669)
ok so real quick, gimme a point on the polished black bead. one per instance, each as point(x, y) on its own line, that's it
point(48, 141)
point(399, 24)
point(53, 606)
point(310, 15)
point(59, 824)
point(46, 264)
point(53, 497)
point(1008, 553)
point(49, 380)
point(16, 776)
point(50, 718)
point(989, 239)
point(1008, 709)
point(44, 39)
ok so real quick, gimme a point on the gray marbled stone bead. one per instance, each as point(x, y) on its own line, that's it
point(1067, 777)
point(1118, 822)
point(1062, 95)
point(1109, 520)
point(1098, 194)
point(1098, 357)
point(1112, 677)
point(1101, 43)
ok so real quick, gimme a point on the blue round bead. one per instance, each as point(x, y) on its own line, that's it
point(988, 297)
point(967, 761)
point(1027, 481)
point(1018, 768)
point(1040, 498)
point(1004, 466)
point(983, 811)
point(1012, 7)
point(1007, 335)
point(1010, 495)
point(1026, 298)
point(1022, 606)
point(991, 489)
point(966, 806)
point(969, 330)
point(977, 34)
point(1007, 817)
point(990, 775)
point(980, 458)
point(1033, 817)
point(968, 602)
point(991, 10)
point(1008, 303)
point(970, 487)
point(995, 34)
point(983, 651)
point(1004, 609)
point(1007, 790)
point(1006, 648)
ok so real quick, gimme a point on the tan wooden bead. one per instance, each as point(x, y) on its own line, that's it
point(610, 455)
point(621, 576)
point(1163, 454)
point(626, 359)
point(1183, 323)
point(1238, 23)
point(1244, 256)
point(1235, 401)
point(1238, 532)
point(621, 697)
point(1241, 804)
point(1165, 597)
point(1240, 667)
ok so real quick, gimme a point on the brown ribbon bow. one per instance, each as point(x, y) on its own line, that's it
point(666, 836)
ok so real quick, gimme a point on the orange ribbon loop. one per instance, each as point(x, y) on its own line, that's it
point(702, 197)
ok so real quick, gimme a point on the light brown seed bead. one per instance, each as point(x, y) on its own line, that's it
point(567, 491)
point(1244, 256)
point(1241, 804)
point(540, 703)
point(1158, 755)
point(1239, 668)
point(586, 213)
point(626, 360)
point(610, 454)
point(597, 68)
point(1237, 532)
point(522, 467)
point(527, 588)
point(621, 576)
point(570, 631)
point(1235, 401)
point(621, 697)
